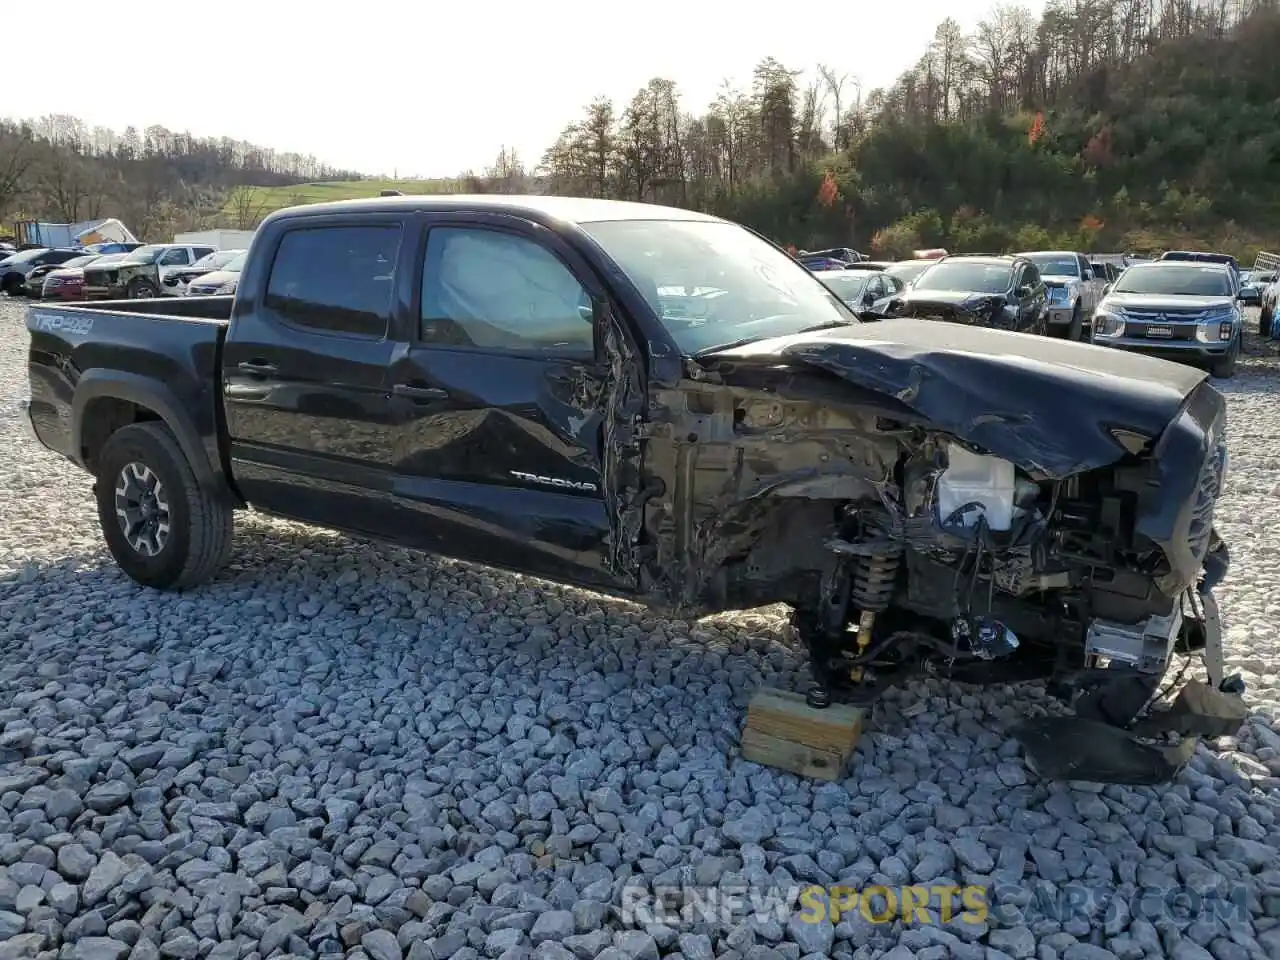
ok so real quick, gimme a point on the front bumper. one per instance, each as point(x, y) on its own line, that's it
point(1180, 351)
point(1060, 314)
point(104, 293)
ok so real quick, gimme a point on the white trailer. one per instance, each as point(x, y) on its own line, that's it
point(218, 239)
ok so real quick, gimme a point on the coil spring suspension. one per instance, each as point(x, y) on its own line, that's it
point(874, 558)
point(873, 577)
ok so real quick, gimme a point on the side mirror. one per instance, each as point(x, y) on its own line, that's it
point(1106, 289)
point(1088, 275)
point(868, 298)
point(1023, 291)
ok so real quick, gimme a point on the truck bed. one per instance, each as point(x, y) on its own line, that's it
point(94, 366)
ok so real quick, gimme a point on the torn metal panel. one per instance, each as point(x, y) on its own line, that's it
point(622, 406)
point(1071, 748)
point(751, 478)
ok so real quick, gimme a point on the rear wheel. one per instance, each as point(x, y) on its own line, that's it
point(1265, 319)
point(142, 289)
point(162, 528)
point(12, 284)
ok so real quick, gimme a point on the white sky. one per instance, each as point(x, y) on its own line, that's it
point(428, 89)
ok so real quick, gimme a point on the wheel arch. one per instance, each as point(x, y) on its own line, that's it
point(106, 400)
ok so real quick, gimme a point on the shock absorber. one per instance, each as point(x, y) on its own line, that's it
point(876, 555)
point(874, 574)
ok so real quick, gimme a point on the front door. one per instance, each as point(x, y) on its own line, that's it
point(498, 395)
point(305, 372)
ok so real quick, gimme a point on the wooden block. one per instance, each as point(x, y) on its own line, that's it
point(783, 731)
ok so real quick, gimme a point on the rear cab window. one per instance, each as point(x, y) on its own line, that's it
point(335, 279)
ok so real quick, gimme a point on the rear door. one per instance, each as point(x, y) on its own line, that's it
point(497, 395)
point(305, 370)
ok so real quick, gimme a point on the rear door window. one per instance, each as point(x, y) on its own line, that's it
point(336, 279)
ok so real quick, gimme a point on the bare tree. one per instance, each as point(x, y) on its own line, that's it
point(17, 153)
point(248, 207)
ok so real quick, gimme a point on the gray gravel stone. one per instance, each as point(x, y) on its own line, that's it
point(344, 749)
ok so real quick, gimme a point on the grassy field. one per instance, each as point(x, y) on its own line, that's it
point(273, 198)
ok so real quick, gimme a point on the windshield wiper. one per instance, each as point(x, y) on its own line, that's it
point(830, 325)
point(731, 345)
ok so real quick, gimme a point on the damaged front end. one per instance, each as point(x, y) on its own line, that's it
point(914, 533)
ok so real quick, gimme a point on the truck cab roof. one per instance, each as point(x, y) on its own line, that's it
point(562, 209)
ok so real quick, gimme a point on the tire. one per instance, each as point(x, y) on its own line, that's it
point(1076, 329)
point(1224, 368)
point(1265, 319)
point(196, 541)
point(142, 289)
point(12, 283)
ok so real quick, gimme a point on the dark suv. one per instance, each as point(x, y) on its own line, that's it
point(1002, 292)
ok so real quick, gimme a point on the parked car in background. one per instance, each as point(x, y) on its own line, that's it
point(908, 270)
point(67, 281)
point(141, 274)
point(219, 283)
point(1002, 292)
point(1073, 290)
point(867, 293)
point(175, 284)
point(1179, 310)
point(874, 265)
point(1252, 284)
point(14, 269)
point(113, 246)
point(1268, 302)
point(33, 286)
point(1201, 256)
point(1105, 272)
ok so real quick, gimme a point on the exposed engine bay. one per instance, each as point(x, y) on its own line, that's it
point(941, 557)
point(970, 569)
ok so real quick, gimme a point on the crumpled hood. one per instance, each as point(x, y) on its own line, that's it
point(950, 298)
point(1047, 405)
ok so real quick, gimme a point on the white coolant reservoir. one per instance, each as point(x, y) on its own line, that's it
point(973, 478)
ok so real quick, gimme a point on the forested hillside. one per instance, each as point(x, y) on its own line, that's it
point(155, 180)
point(1134, 124)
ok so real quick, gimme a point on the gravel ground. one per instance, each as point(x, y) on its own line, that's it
point(340, 748)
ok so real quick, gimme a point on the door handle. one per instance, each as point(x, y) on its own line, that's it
point(257, 366)
point(420, 393)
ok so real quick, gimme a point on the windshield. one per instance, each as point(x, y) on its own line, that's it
point(969, 277)
point(908, 271)
point(714, 283)
point(847, 286)
point(147, 254)
point(80, 261)
point(1054, 264)
point(236, 263)
point(1180, 281)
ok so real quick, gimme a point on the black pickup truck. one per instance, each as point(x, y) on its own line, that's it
point(661, 405)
